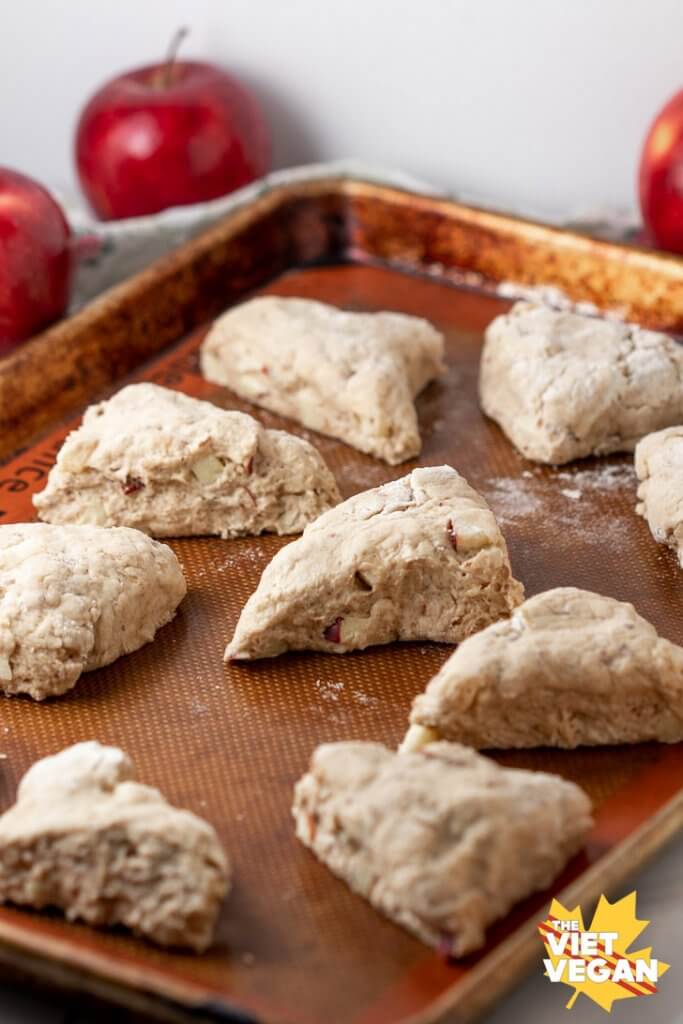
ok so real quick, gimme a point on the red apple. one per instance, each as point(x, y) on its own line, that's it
point(661, 177)
point(35, 259)
point(167, 135)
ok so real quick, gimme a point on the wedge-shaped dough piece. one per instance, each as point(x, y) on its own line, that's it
point(570, 668)
point(86, 838)
point(350, 375)
point(174, 466)
point(442, 841)
point(75, 598)
point(564, 386)
point(420, 558)
point(659, 466)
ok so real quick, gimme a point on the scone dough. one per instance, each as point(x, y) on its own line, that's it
point(350, 375)
point(75, 598)
point(569, 668)
point(420, 558)
point(659, 466)
point(86, 838)
point(564, 386)
point(174, 466)
point(442, 841)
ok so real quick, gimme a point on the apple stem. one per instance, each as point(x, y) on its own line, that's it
point(166, 76)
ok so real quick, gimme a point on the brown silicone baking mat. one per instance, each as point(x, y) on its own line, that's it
point(228, 742)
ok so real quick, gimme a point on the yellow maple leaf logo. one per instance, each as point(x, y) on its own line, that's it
point(600, 953)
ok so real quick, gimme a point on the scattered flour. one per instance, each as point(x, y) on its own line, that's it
point(355, 477)
point(252, 555)
point(365, 700)
point(514, 499)
point(249, 555)
point(600, 477)
point(511, 498)
point(329, 689)
point(549, 295)
point(464, 278)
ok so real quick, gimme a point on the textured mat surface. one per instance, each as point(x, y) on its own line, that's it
point(229, 742)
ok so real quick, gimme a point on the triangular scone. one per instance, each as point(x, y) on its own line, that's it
point(174, 466)
point(443, 841)
point(564, 386)
point(350, 375)
point(569, 668)
point(659, 466)
point(75, 598)
point(86, 838)
point(420, 558)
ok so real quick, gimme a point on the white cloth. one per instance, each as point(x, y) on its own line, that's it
point(122, 248)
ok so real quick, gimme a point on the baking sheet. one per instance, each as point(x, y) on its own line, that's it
point(229, 742)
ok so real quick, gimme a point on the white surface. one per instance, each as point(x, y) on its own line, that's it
point(537, 103)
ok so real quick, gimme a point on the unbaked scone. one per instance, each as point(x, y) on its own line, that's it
point(569, 668)
point(174, 466)
point(659, 467)
point(75, 598)
point(443, 841)
point(85, 837)
point(563, 386)
point(421, 558)
point(353, 376)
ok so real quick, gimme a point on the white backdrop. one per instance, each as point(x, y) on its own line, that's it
point(540, 104)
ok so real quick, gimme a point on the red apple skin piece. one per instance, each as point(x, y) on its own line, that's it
point(168, 135)
point(35, 259)
point(660, 177)
point(333, 631)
